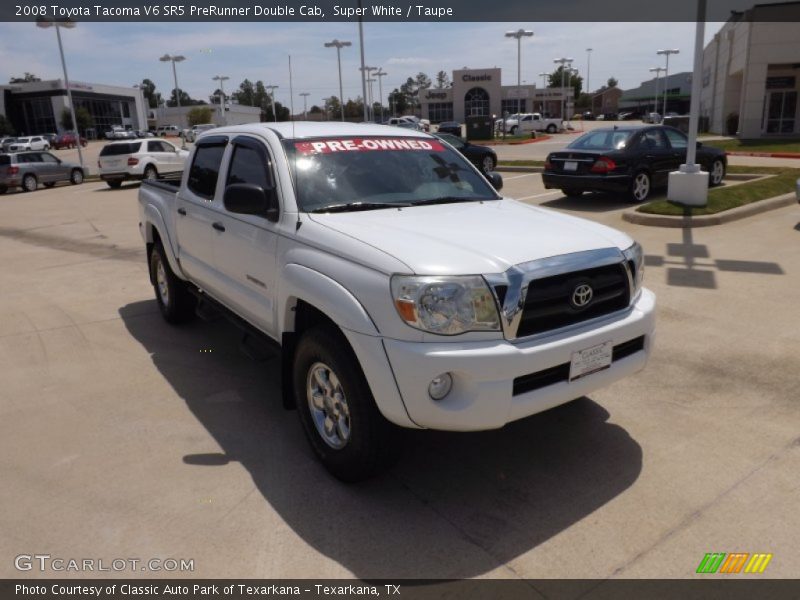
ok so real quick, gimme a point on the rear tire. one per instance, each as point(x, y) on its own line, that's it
point(487, 164)
point(3, 190)
point(572, 193)
point(29, 183)
point(640, 187)
point(174, 300)
point(76, 177)
point(114, 184)
point(551, 128)
point(337, 410)
point(716, 172)
point(150, 173)
point(514, 130)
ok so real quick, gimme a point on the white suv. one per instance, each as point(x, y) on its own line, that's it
point(190, 135)
point(29, 143)
point(139, 159)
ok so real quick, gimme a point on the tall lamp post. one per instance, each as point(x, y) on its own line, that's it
point(272, 89)
point(518, 35)
point(174, 59)
point(44, 24)
point(365, 73)
point(564, 62)
point(222, 79)
point(588, 69)
point(305, 96)
point(544, 87)
point(666, 76)
point(339, 45)
point(380, 74)
point(657, 71)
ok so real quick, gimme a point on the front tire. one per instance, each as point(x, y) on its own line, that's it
point(716, 173)
point(514, 130)
point(29, 183)
point(551, 128)
point(640, 187)
point(76, 177)
point(487, 164)
point(174, 300)
point(337, 410)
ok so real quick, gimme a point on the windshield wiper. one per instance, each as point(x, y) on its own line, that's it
point(354, 206)
point(447, 200)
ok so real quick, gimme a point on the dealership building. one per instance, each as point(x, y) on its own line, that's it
point(751, 75)
point(36, 107)
point(480, 93)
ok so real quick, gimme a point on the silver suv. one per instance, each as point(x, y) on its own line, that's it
point(27, 170)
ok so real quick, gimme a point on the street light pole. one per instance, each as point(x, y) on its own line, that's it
point(666, 76)
point(339, 45)
point(657, 71)
point(588, 70)
point(380, 74)
point(544, 87)
point(222, 79)
point(563, 62)
point(518, 35)
point(272, 89)
point(174, 59)
point(305, 95)
point(365, 74)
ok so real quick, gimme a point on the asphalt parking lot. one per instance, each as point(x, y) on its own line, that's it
point(121, 436)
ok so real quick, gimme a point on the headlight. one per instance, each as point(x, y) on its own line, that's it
point(635, 258)
point(445, 305)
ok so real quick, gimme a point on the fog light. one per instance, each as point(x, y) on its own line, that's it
point(440, 386)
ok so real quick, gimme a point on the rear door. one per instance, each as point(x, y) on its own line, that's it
point(656, 154)
point(245, 248)
point(157, 153)
point(198, 210)
point(173, 160)
point(52, 168)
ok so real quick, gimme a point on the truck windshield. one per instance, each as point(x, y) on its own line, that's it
point(371, 172)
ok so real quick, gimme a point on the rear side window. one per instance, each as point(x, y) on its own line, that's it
point(205, 170)
point(117, 149)
point(676, 139)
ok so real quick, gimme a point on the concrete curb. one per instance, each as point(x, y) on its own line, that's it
point(514, 143)
point(766, 154)
point(734, 214)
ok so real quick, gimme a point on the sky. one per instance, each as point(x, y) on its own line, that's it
point(126, 53)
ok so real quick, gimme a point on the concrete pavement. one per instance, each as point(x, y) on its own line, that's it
point(121, 436)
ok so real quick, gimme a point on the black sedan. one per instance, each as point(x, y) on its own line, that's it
point(482, 157)
point(626, 159)
point(451, 127)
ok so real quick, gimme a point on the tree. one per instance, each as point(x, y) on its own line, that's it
point(199, 115)
point(570, 80)
point(186, 99)
point(354, 109)
point(5, 126)
point(398, 102)
point(246, 94)
point(612, 82)
point(333, 107)
point(442, 80)
point(81, 114)
point(28, 77)
point(314, 110)
point(149, 91)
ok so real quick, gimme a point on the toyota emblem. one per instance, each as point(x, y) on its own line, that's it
point(582, 295)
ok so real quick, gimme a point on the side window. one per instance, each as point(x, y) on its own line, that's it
point(204, 171)
point(155, 147)
point(653, 139)
point(676, 139)
point(249, 166)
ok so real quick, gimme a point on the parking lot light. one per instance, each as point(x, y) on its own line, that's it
point(222, 79)
point(339, 45)
point(564, 62)
point(518, 35)
point(657, 71)
point(271, 89)
point(544, 87)
point(380, 74)
point(44, 24)
point(666, 76)
point(174, 59)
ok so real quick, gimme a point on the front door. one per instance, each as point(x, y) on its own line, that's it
point(781, 111)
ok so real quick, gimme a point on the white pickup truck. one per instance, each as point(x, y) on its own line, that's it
point(527, 122)
point(402, 289)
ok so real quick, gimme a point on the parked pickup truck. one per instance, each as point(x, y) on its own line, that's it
point(527, 122)
point(402, 289)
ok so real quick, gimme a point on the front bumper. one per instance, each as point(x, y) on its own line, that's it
point(593, 183)
point(484, 372)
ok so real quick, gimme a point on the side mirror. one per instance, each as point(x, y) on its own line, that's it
point(251, 199)
point(496, 180)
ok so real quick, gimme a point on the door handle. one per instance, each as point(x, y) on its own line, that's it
point(218, 226)
point(182, 212)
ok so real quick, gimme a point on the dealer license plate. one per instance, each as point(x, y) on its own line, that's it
point(570, 165)
point(591, 360)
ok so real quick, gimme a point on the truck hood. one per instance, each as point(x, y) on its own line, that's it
point(471, 237)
